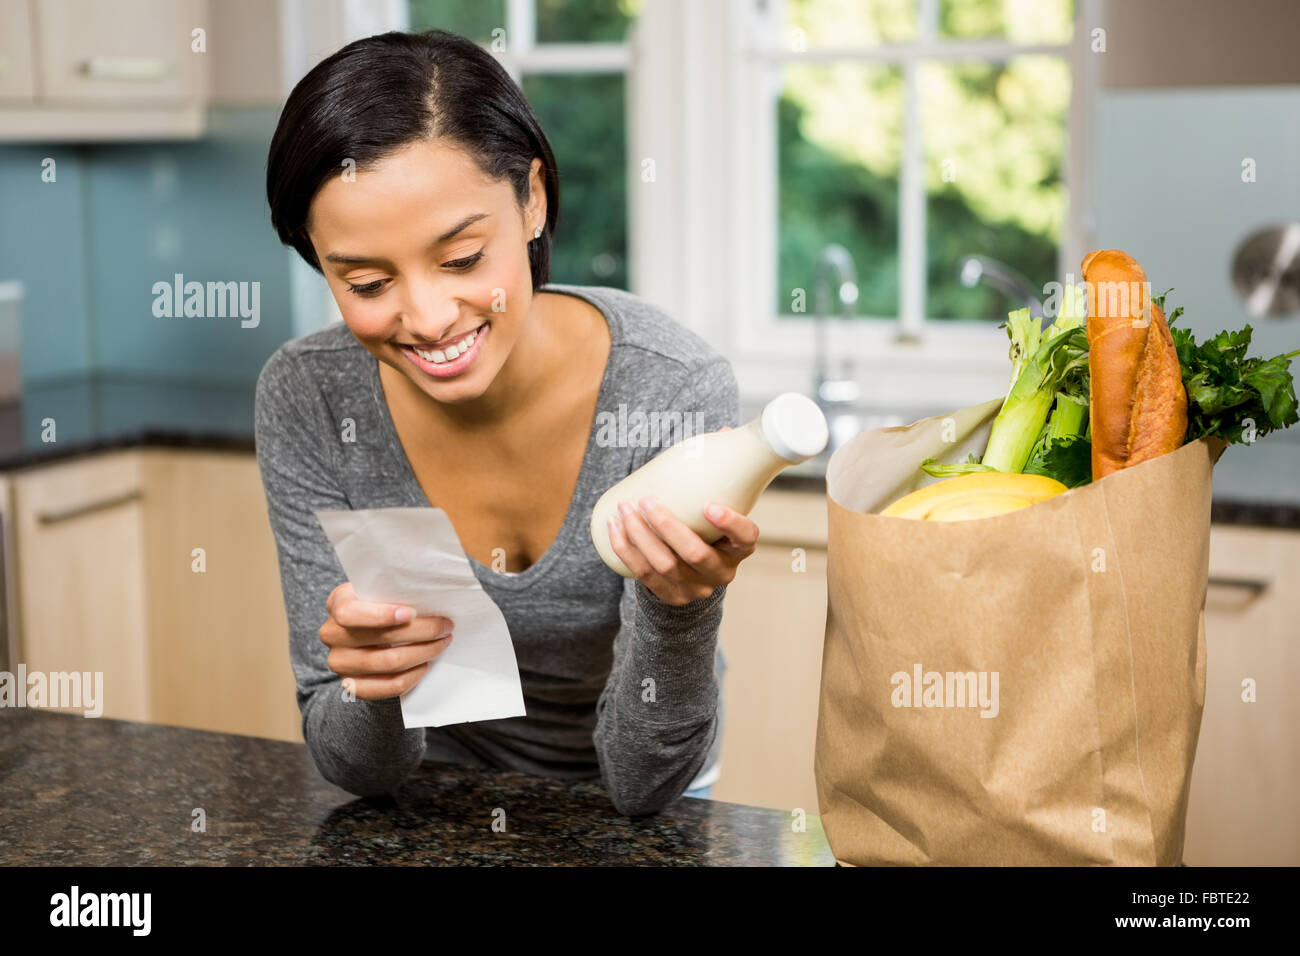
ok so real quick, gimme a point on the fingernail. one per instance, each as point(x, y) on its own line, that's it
point(402, 614)
point(624, 507)
point(613, 524)
point(713, 511)
point(648, 503)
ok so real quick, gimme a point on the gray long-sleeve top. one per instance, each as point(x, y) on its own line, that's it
point(617, 684)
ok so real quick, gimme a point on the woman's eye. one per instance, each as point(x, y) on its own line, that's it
point(464, 263)
point(370, 288)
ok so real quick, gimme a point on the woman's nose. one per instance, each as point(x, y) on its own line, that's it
point(429, 313)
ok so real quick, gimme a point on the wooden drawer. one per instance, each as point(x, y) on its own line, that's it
point(80, 575)
point(17, 84)
point(126, 51)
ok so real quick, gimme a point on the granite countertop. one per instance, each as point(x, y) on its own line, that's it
point(101, 412)
point(95, 792)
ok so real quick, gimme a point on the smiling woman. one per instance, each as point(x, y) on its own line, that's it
point(410, 171)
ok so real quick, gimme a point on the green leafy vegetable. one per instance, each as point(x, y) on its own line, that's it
point(1159, 300)
point(1057, 365)
point(971, 464)
point(1230, 395)
point(1068, 460)
point(1043, 428)
point(1045, 362)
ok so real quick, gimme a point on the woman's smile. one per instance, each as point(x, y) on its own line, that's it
point(450, 360)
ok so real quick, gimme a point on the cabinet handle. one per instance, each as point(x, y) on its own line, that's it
point(137, 69)
point(1256, 585)
point(76, 511)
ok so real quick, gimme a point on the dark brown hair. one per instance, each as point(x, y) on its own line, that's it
point(380, 93)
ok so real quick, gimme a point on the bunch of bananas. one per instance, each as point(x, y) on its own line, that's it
point(977, 495)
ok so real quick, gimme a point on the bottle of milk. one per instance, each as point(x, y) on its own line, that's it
point(730, 467)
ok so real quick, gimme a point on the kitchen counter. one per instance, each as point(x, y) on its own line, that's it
point(95, 792)
point(104, 412)
point(97, 413)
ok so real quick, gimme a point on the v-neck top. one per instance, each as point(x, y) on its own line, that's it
point(617, 684)
point(575, 523)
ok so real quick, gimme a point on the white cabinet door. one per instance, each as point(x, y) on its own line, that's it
point(773, 628)
point(16, 85)
point(124, 52)
point(80, 573)
point(1244, 805)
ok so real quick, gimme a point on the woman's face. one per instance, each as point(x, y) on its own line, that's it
point(422, 249)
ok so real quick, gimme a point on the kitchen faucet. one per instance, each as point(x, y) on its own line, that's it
point(1000, 276)
point(833, 264)
point(835, 397)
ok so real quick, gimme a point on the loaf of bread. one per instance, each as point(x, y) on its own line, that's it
point(1137, 406)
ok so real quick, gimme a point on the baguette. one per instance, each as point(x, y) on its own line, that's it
point(1137, 405)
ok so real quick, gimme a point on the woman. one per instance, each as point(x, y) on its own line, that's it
point(410, 171)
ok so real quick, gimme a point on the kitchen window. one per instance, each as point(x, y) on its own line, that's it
point(570, 58)
point(931, 139)
point(711, 149)
point(794, 124)
point(918, 133)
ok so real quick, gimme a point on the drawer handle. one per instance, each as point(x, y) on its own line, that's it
point(76, 511)
point(137, 69)
point(1255, 585)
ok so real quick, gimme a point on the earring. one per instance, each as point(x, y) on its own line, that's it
point(537, 233)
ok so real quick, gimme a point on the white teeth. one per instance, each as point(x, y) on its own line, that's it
point(438, 357)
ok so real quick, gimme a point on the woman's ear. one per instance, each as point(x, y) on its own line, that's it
point(536, 212)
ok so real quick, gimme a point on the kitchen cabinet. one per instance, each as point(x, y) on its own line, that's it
point(773, 627)
point(85, 70)
point(17, 84)
point(156, 567)
point(80, 576)
point(1242, 804)
point(1242, 809)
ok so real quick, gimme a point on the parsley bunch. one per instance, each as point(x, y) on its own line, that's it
point(1229, 394)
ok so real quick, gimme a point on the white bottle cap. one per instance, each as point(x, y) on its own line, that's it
point(795, 427)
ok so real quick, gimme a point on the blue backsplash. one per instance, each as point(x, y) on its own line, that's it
point(119, 218)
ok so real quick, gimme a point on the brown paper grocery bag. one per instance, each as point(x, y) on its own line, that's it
point(1018, 690)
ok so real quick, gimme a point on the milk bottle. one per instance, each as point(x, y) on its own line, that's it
point(730, 467)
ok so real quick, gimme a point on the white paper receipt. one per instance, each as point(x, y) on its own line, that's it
point(412, 556)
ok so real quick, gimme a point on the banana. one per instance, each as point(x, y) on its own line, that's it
point(977, 495)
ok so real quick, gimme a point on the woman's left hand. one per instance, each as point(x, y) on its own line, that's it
point(673, 561)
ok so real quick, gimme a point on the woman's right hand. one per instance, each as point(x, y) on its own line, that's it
point(361, 636)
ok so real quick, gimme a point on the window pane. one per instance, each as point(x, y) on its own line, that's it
point(475, 19)
point(583, 118)
point(1019, 21)
point(995, 139)
point(839, 135)
point(585, 21)
point(850, 22)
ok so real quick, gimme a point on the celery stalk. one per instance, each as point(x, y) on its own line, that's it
point(1069, 418)
point(1020, 422)
point(1045, 362)
point(1015, 430)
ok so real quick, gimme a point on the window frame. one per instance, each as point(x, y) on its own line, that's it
point(949, 363)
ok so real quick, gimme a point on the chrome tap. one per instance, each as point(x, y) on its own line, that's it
point(1000, 276)
point(834, 396)
point(833, 264)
